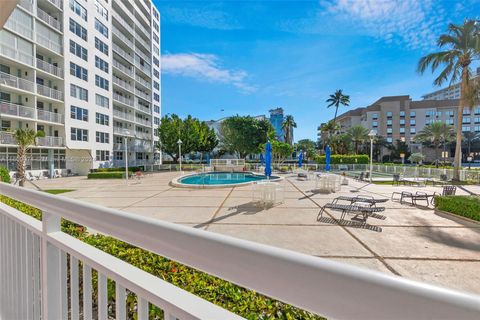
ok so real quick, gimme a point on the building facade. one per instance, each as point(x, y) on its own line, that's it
point(276, 119)
point(87, 74)
point(451, 92)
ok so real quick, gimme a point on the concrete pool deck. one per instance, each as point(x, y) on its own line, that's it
point(414, 243)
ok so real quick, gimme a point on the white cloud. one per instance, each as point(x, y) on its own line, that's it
point(206, 17)
point(204, 67)
point(415, 24)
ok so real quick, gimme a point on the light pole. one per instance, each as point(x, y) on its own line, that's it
point(180, 153)
point(371, 135)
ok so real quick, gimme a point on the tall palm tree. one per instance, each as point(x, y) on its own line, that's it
point(460, 46)
point(436, 134)
point(328, 129)
point(358, 134)
point(287, 126)
point(337, 99)
point(470, 137)
point(25, 138)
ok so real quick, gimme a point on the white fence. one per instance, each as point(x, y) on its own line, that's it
point(34, 277)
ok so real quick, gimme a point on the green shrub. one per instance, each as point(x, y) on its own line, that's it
point(466, 206)
point(4, 175)
point(344, 159)
point(106, 175)
point(130, 169)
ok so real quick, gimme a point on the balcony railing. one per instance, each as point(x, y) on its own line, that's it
point(15, 54)
point(17, 27)
point(16, 110)
point(124, 54)
point(143, 68)
point(143, 82)
point(49, 92)
point(50, 116)
point(123, 84)
point(7, 138)
point(120, 35)
point(26, 4)
point(49, 44)
point(123, 131)
point(122, 68)
point(144, 44)
point(124, 100)
point(123, 115)
point(48, 19)
point(143, 121)
point(57, 3)
point(143, 56)
point(16, 82)
point(50, 68)
point(123, 22)
point(142, 94)
point(36, 281)
point(143, 135)
point(49, 141)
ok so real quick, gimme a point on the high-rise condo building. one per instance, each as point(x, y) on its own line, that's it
point(87, 74)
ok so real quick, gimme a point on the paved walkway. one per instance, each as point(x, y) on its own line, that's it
point(409, 242)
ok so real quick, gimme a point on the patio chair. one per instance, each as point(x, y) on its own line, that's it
point(345, 209)
point(396, 179)
point(303, 176)
point(57, 174)
point(367, 176)
point(31, 177)
point(360, 177)
point(414, 198)
point(360, 198)
point(449, 190)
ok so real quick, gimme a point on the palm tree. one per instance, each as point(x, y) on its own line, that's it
point(462, 46)
point(435, 134)
point(358, 134)
point(337, 99)
point(327, 129)
point(25, 138)
point(287, 126)
point(470, 137)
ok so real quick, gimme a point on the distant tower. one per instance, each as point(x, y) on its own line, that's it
point(276, 119)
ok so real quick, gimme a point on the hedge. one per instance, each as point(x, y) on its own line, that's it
point(106, 175)
point(133, 169)
point(344, 159)
point(244, 302)
point(466, 206)
point(4, 175)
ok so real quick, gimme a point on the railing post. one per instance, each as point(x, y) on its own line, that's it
point(51, 270)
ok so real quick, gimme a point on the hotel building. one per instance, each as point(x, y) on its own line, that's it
point(87, 74)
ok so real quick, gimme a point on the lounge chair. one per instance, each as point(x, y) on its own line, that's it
point(302, 175)
point(354, 209)
point(443, 180)
point(57, 174)
point(360, 177)
point(363, 199)
point(414, 198)
point(31, 177)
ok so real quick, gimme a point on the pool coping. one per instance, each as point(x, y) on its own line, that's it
point(176, 181)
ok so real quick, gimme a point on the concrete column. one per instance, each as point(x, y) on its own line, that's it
point(51, 164)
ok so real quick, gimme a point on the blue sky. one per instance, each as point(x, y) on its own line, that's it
point(246, 57)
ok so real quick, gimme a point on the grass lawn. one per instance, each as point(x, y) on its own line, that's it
point(465, 206)
point(57, 191)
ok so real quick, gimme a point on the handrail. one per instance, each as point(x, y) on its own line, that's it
point(326, 287)
point(50, 68)
point(50, 20)
point(16, 110)
point(16, 82)
point(16, 54)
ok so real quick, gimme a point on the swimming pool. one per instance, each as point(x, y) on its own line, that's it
point(219, 179)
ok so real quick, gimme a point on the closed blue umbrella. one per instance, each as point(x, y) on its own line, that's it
point(327, 158)
point(300, 159)
point(268, 159)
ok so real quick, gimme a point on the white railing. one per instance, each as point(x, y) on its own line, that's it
point(123, 84)
point(13, 109)
point(142, 94)
point(123, 22)
point(26, 4)
point(34, 276)
point(143, 135)
point(227, 162)
point(143, 56)
point(143, 121)
point(50, 141)
point(48, 19)
point(120, 35)
point(49, 44)
point(16, 26)
point(143, 82)
point(7, 138)
point(16, 54)
point(119, 98)
point(57, 3)
point(144, 44)
point(50, 116)
point(16, 82)
point(50, 68)
point(49, 92)
point(125, 55)
point(123, 115)
point(122, 68)
point(123, 131)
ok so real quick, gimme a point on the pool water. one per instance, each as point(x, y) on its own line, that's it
point(219, 178)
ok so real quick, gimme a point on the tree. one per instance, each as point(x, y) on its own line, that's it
point(307, 146)
point(460, 46)
point(280, 150)
point(244, 135)
point(341, 143)
point(435, 135)
point(470, 137)
point(327, 130)
point(287, 126)
point(25, 138)
point(207, 139)
point(397, 148)
point(337, 99)
point(358, 134)
point(416, 158)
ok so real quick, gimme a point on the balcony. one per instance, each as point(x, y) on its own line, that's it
point(49, 92)
point(57, 3)
point(123, 23)
point(19, 28)
point(49, 44)
point(143, 121)
point(123, 115)
point(122, 99)
point(143, 82)
point(48, 19)
point(143, 56)
point(16, 82)
point(142, 95)
point(50, 116)
point(49, 68)
point(36, 278)
point(120, 35)
point(143, 135)
point(49, 141)
point(139, 40)
point(122, 68)
point(26, 4)
point(122, 84)
point(7, 138)
point(16, 110)
point(122, 53)
point(16, 55)
point(123, 131)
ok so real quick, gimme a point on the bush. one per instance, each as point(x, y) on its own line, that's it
point(466, 206)
point(106, 175)
point(344, 159)
point(244, 302)
point(130, 169)
point(4, 175)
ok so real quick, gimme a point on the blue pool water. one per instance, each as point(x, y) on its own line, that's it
point(218, 178)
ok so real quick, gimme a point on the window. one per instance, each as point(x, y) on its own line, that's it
point(156, 85)
point(101, 82)
point(79, 72)
point(402, 122)
point(402, 113)
point(101, 46)
point(118, 155)
point(78, 92)
point(412, 122)
point(477, 128)
point(156, 61)
point(402, 130)
point(389, 122)
point(156, 120)
point(429, 113)
point(78, 113)
point(156, 108)
point(449, 121)
point(100, 27)
point(101, 101)
point(101, 10)
point(101, 64)
point(477, 120)
point(389, 140)
point(375, 124)
point(412, 114)
point(156, 73)
point(389, 130)
point(155, 14)
point(438, 114)
point(449, 113)
point(413, 130)
point(103, 155)
point(375, 116)
point(156, 97)
point(155, 37)
point(428, 121)
point(77, 134)
point(6, 125)
point(477, 110)
point(389, 114)
point(465, 128)
point(78, 50)
point(78, 29)
point(155, 26)
point(466, 111)
point(101, 118)
point(102, 137)
point(78, 9)
point(466, 120)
